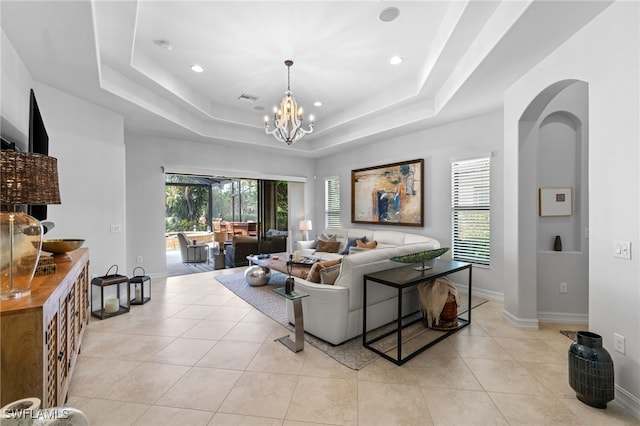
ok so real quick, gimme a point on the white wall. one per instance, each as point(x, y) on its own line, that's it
point(145, 158)
point(88, 142)
point(15, 82)
point(438, 146)
point(605, 55)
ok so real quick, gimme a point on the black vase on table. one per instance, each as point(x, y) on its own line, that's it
point(591, 373)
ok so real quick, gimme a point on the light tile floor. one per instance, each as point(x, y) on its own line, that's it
point(198, 355)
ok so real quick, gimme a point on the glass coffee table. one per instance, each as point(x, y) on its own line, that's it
point(295, 297)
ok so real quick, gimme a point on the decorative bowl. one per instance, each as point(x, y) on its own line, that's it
point(61, 246)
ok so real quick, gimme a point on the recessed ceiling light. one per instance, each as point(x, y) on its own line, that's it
point(317, 104)
point(165, 44)
point(395, 60)
point(389, 14)
point(196, 68)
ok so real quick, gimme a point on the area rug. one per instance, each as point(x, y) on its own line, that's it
point(350, 353)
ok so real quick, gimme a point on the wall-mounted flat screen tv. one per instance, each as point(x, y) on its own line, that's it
point(38, 143)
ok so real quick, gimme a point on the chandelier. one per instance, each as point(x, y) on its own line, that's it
point(287, 120)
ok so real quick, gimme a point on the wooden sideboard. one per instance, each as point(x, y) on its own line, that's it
point(41, 334)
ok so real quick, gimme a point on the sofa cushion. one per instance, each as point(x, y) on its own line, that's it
point(328, 246)
point(305, 245)
point(314, 272)
point(243, 239)
point(329, 274)
point(352, 242)
point(273, 245)
point(389, 238)
point(354, 250)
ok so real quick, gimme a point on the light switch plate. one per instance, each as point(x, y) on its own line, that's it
point(622, 249)
point(618, 343)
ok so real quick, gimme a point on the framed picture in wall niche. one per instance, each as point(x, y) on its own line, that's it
point(555, 201)
point(389, 194)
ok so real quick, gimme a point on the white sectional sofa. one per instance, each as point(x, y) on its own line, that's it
point(334, 312)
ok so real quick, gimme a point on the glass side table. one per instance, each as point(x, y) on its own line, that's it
point(296, 298)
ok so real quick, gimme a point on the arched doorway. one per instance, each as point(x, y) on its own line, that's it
point(553, 153)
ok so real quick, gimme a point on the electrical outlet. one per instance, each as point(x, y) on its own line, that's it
point(139, 259)
point(116, 228)
point(563, 287)
point(618, 343)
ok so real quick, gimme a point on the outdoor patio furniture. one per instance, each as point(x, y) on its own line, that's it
point(192, 253)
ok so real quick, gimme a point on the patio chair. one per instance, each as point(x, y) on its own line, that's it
point(192, 253)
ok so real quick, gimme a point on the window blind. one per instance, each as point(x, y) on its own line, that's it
point(332, 202)
point(471, 211)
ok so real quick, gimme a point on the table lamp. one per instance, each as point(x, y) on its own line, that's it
point(27, 178)
point(306, 226)
point(219, 237)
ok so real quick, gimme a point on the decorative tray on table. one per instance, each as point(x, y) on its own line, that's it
point(304, 261)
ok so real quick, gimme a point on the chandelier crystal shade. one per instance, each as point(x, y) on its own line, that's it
point(287, 119)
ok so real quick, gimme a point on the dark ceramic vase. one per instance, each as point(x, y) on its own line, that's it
point(591, 373)
point(557, 243)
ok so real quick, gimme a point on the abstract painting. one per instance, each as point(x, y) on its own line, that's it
point(390, 194)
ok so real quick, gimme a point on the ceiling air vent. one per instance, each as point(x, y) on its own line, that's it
point(244, 97)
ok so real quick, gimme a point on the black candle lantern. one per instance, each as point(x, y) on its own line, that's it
point(140, 287)
point(110, 304)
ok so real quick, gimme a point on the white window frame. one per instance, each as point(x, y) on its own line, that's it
point(471, 193)
point(332, 212)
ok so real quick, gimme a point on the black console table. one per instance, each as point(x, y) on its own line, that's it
point(403, 278)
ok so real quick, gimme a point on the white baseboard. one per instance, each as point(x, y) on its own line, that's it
point(158, 275)
point(563, 318)
point(630, 403)
point(520, 322)
point(487, 294)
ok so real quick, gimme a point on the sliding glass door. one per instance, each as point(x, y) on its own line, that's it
point(194, 202)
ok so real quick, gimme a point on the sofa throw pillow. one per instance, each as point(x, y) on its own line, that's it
point(314, 272)
point(367, 244)
point(329, 275)
point(351, 242)
point(328, 246)
point(326, 237)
